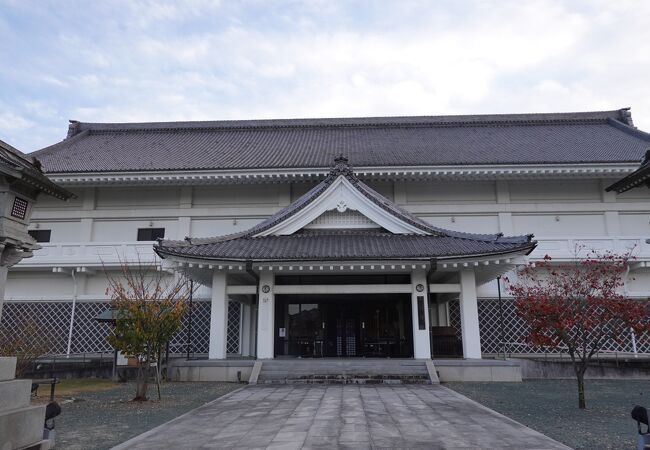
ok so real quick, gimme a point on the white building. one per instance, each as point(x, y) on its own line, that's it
point(490, 176)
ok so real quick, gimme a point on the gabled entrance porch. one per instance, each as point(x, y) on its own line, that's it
point(345, 272)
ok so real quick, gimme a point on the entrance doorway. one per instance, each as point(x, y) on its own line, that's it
point(344, 326)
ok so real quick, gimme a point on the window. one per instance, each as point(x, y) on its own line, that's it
point(41, 235)
point(19, 208)
point(150, 234)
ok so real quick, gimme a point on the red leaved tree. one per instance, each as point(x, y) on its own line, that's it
point(579, 307)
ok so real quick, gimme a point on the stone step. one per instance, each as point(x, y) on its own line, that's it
point(354, 371)
point(14, 394)
point(348, 380)
point(22, 427)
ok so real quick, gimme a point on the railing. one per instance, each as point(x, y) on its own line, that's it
point(90, 254)
point(566, 247)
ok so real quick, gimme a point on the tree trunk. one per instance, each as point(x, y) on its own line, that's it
point(580, 374)
point(142, 381)
point(158, 373)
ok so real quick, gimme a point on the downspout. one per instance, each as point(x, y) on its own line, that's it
point(74, 306)
point(433, 264)
point(432, 268)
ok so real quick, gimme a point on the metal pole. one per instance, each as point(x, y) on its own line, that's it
point(114, 370)
point(636, 354)
point(74, 306)
point(189, 321)
point(503, 338)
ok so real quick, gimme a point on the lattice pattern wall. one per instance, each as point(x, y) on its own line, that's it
point(515, 330)
point(234, 327)
point(200, 330)
point(52, 320)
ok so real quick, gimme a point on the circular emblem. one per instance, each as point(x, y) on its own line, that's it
point(266, 288)
point(419, 287)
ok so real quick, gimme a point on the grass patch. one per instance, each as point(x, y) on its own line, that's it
point(104, 416)
point(74, 386)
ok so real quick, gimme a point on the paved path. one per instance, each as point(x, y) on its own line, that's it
point(334, 416)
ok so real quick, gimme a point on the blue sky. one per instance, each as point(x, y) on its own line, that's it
point(151, 60)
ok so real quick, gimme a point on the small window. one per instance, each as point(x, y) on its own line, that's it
point(41, 235)
point(19, 208)
point(150, 234)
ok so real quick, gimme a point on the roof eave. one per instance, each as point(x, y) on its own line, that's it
point(270, 175)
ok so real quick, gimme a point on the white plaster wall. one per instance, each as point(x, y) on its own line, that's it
point(559, 224)
point(466, 223)
point(37, 284)
point(635, 223)
point(217, 227)
point(127, 230)
point(239, 195)
point(554, 191)
point(137, 196)
point(450, 192)
point(638, 284)
point(62, 231)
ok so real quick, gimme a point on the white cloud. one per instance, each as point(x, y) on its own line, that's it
point(199, 60)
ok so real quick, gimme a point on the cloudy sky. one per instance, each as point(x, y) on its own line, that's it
point(152, 60)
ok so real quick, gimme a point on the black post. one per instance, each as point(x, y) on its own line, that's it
point(503, 338)
point(114, 371)
point(189, 321)
point(167, 361)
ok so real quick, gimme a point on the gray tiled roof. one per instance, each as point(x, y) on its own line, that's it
point(607, 136)
point(344, 244)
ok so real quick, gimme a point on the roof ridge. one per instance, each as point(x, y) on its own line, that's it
point(62, 143)
point(622, 115)
point(629, 129)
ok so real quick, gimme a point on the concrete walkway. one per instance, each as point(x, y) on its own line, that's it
point(335, 416)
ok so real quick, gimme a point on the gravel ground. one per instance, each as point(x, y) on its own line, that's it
point(551, 407)
point(103, 419)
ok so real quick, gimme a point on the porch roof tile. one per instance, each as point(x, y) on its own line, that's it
point(345, 245)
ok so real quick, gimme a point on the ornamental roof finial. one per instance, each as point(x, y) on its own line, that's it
point(341, 160)
point(341, 167)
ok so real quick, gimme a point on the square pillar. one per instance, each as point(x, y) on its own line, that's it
point(469, 315)
point(218, 317)
point(420, 315)
point(266, 316)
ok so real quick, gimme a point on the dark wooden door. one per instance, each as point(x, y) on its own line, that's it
point(346, 337)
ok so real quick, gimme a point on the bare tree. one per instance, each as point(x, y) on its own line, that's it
point(149, 305)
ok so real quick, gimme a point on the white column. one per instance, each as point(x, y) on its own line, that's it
point(245, 337)
point(266, 317)
point(469, 315)
point(421, 344)
point(218, 317)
